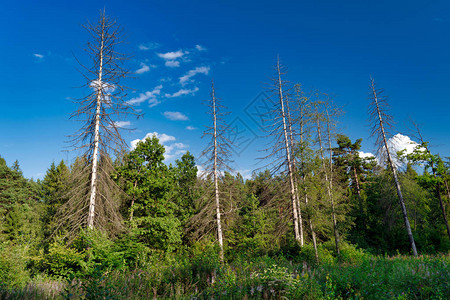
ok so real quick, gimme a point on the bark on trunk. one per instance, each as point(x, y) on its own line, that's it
point(394, 174)
point(95, 155)
point(441, 203)
point(288, 156)
point(216, 181)
point(358, 191)
point(294, 168)
point(329, 188)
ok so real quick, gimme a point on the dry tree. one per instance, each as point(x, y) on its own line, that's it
point(319, 117)
point(381, 126)
point(280, 151)
point(93, 199)
point(217, 155)
point(302, 119)
point(292, 143)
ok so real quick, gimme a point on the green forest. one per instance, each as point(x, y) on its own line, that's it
point(317, 221)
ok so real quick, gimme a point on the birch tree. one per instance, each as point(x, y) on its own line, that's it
point(381, 124)
point(99, 111)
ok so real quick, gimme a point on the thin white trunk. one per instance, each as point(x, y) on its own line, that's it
point(294, 168)
point(329, 186)
point(358, 190)
point(216, 180)
point(394, 173)
point(288, 156)
point(438, 192)
point(302, 157)
point(333, 209)
point(95, 155)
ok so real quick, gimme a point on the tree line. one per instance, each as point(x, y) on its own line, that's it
point(314, 189)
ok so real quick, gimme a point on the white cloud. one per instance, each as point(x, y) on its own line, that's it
point(175, 116)
point(172, 63)
point(144, 68)
point(201, 172)
point(172, 150)
point(151, 96)
point(365, 154)
point(175, 150)
point(246, 174)
point(106, 89)
point(182, 92)
point(148, 46)
point(198, 70)
point(122, 124)
point(37, 55)
point(171, 55)
point(171, 58)
point(190, 128)
point(397, 143)
point(163, 138)
point(200, 48)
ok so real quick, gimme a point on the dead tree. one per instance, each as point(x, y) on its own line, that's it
point(217, 154)
point(381, 124)
point(291, 135)
point(328, 172)
point(280, 150)
point(302, 106)
point(99, 136)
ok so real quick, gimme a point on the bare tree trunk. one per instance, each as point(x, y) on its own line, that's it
point(311, 225)
point(296, 194)
point(333, 212)
point(216, 180)
point(95, 155)
point(441, 203)
point(288, 156)
point(394, 173)
point(448, 190)
point(329, 186)
point(132, 202)
point(303, 174)
point(358, 191)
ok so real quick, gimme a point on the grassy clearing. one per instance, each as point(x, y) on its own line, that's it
point(202, 277)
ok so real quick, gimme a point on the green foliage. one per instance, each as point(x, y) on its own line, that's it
point(90, 251)
point(54, 192)
point(13, 263)
point(325, 255)
point(152, 213)
point(198, 274)
point(62, 261)
point(19, 209)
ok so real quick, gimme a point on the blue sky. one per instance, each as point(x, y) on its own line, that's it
point(177, 47)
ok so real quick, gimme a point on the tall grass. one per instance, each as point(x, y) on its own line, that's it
point(201, 276)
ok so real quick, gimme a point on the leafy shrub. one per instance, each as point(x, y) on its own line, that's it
point(307, 254)
point(350, 254)
point(61, 260)
point(13, 262)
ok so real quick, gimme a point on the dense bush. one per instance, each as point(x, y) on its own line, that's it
point(13, 263)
